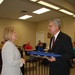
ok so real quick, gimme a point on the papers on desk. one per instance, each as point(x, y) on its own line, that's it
point(43, 54)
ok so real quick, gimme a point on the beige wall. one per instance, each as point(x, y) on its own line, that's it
point(43, 26)
point(68, 27)
point(25, 30)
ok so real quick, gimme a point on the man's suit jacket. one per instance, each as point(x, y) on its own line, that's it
point(11, 59)
point(62, 46)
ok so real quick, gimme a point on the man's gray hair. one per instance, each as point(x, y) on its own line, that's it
point(56, 21)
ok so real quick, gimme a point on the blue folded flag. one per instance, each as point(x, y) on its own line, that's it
point(39, 53)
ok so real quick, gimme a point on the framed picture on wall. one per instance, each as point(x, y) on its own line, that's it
point(48, 35)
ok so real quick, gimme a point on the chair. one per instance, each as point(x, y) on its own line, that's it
point(24, 45)
point(24, 50)
point(36, 47)
point(44, 45)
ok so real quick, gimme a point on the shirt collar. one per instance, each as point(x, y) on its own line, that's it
point(56, 35)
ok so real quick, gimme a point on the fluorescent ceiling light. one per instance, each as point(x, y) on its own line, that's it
point(25, 17)
point(1, 1)
point(66, 12)
point(73, 15)
point(40, 11)
point(33, 0)
point(48, 5)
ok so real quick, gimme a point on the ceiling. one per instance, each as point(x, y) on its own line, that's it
point(72, 1)
point(12, 9)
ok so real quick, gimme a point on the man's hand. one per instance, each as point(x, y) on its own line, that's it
point(51, 59)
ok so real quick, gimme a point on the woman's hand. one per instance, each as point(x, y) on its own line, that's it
point(23, 60)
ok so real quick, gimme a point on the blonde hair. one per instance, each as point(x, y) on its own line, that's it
point(7, 34)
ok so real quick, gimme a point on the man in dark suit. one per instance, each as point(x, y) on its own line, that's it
point(63, 46)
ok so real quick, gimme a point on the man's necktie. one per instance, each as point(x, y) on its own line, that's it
point(53, 41)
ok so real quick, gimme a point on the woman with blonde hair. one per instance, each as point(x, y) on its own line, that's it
point(11, 57)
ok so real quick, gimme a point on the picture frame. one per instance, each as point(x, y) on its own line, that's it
point(48, 35)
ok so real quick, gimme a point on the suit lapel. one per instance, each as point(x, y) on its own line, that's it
point(57, 40)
